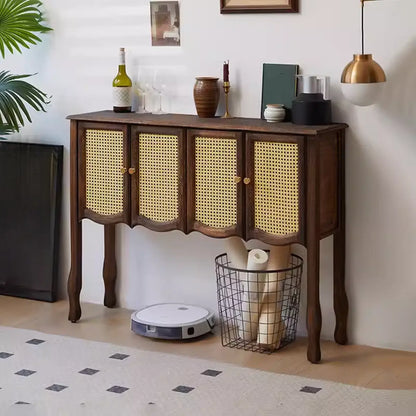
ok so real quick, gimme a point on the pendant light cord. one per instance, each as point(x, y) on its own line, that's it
point(362, 27)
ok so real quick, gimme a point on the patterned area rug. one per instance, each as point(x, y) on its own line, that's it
point(42, 375)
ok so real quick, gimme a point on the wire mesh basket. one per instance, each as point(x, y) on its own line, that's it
point(258, 310)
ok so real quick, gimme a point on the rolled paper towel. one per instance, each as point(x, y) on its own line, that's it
point(279, 257)
point(253, 284)
point(271, 327)
point(236, 252)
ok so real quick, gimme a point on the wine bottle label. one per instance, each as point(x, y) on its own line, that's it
point(122, 96)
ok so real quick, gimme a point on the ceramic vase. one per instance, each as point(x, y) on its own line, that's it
point(274, 113)
point(206, 96)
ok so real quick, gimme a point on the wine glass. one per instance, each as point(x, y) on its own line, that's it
point(143, 90)
point(159, 86)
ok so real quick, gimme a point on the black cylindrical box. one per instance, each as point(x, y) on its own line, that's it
point(311, 109)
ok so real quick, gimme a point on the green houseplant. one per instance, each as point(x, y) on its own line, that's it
point(20, 21)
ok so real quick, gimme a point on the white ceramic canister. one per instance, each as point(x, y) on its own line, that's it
point(274, 113)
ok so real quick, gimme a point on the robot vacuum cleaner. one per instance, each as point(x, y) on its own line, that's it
point(172, 321)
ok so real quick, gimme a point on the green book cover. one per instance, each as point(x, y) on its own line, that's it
point(279, 86)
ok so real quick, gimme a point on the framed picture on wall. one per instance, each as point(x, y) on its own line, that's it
point(165, 26)
point(259, 6)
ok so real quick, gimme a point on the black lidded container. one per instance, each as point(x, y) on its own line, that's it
point(311, 109)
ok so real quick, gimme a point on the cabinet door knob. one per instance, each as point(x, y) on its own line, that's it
point(246, 181)
point(132, 171)
point(237, 179)
point(123, 170)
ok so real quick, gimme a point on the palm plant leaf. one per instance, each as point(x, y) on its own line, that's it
point(19, 21)
point(5, 130)
point(14, 92)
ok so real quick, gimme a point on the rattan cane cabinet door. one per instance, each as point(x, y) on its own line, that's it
point(158, 177)
point(275, 188)
point(102, 175)
point(215, 170)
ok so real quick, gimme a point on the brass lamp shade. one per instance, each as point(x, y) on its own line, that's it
point(362, 79)
point(362, 70)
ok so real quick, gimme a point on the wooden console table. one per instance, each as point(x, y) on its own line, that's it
point(277, 182)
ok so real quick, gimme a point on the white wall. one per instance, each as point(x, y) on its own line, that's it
point(76, 64)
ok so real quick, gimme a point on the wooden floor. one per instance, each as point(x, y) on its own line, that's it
point(351, 364)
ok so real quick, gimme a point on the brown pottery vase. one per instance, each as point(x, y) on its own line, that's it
point(206, 96)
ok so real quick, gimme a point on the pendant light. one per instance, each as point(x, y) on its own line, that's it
point(362, 79)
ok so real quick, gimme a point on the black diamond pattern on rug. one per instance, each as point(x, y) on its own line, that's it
point(56, 387)
point(119, 356)
point(211, 373)
point(35, 341)
point(309, 389)
point(183, 389)
point(117, 389)
point(25, 373)
point(89, 371)
point(5, 355)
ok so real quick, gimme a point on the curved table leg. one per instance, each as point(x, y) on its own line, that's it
point(75, 276)
point(314, 318)
point(340, 296)
point(110, 266)
point(74, 283)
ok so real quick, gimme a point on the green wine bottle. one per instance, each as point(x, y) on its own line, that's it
point(122, 91)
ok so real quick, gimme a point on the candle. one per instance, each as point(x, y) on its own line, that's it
point(225, 72)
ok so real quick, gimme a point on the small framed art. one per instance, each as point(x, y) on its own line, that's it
point(165, 23)
point(259, 6)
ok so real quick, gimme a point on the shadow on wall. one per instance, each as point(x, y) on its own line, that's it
point(399, 95)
